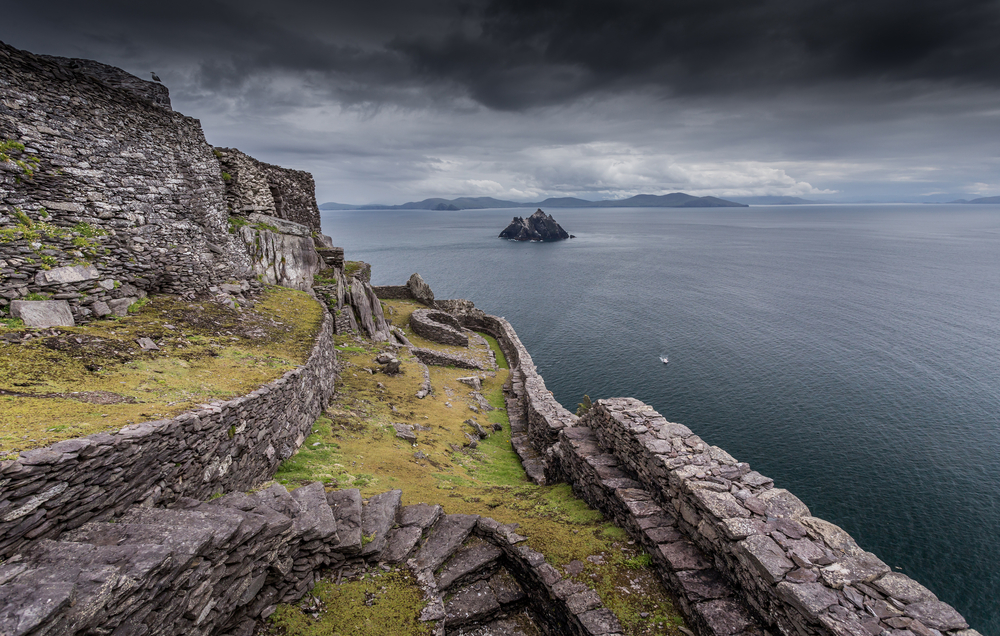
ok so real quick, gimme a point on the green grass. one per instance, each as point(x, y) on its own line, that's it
point(386, 603)
point(497, 351)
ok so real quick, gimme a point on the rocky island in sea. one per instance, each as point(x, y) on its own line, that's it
point(537, 227)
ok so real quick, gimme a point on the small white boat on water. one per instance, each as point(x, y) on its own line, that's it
point(664, 359)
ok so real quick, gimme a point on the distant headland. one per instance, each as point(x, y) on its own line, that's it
point(673, 200)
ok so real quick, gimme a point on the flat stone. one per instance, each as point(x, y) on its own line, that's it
point(723, 617)
point(903, 588)
point(600, 621)
point(833, 535)
point(583, 601)
point(404, 432)
point(703, 585)
point(472, 381)
point(73, 274)
point(400, 543)
point(722, 505)
point(475, 557)
point(100, 308)
point(808, 598)
point(377, 518)
point(474, 603)
point(119, 306)
point(781, 503)
point(421, 515)
point(315, 521)
point(446, 536)
point(862, 568)
point(683, 555)
point(43, 313)
point(346, 506)
point(936, 615)
point(147, 344)
point(766, 557)
point(505, 587)
point(284, 226)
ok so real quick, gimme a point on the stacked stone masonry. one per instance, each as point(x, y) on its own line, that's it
point(742, 556)
point(111, 177)
point(223, 447)
point(729, 541)
point(217, 567)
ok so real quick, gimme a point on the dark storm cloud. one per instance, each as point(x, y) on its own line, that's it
point(532, 52)
point(516, 54)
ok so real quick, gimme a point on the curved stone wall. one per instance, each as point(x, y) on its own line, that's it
point(223, 447)
point(438, 326)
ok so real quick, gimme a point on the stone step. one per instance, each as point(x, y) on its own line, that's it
point(520, 624)
point(413, 522)
point(346, 507)
point(377, 518)
point(475, 560)
point(472, 604)
point(446, 536)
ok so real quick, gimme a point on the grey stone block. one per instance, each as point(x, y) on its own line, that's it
point(43, 313)
point(73, 274)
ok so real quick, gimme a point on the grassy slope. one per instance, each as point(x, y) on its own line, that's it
point(354, 445)
point(96, 377)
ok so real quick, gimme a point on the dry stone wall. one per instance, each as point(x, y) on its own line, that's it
point(120, 182)
point(255, 186)
point(225, 446)
point(723, 534)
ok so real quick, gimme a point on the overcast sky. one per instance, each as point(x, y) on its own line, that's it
point(393, 101)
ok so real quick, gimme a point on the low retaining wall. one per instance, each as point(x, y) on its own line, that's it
point(722, 534)
point(438, 326)
point(227, 446)
point(393, 292)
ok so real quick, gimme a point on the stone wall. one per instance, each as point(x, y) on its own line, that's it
point(120, 182)
point(729, 541)
point(438, 326)
point(225, 446)
point(254, 186)
point(393, 292)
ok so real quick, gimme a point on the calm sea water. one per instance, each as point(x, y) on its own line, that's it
point(852, 353)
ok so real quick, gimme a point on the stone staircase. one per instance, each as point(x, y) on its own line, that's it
point(218, 567)
point(514, 396)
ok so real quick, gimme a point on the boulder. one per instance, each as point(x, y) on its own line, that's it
point(421, 291)
point(537, 227)
point(43, 313)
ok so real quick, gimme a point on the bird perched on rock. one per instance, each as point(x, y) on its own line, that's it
point(155, 77)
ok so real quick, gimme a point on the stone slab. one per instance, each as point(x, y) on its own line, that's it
point(43, 313)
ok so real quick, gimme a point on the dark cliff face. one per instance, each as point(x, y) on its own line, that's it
point(537, 227)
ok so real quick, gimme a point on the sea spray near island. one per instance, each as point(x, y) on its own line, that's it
point(852, 353)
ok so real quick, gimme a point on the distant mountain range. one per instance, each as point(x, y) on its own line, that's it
point(675, 200)
point(982, 200)
point(774, 200)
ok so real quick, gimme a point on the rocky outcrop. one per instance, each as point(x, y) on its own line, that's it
point(420, 290)
point(537, 227)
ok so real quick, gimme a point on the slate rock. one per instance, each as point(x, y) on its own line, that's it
point(421, 291)
point(474, 603)
point(404, 432)
point(862, 568)
point(400, 543)
point(808, 598)
point(703, 585)
point(936, 615)
point(506, 587)
point(377, 518)
point(43, 313)
point(119, 306)
point(73, 274)
point(421, 515)
point(600, 621)
point(472, 559)
point(764, 555)
point(723, 617)
point(537, 227)
point(446, 536)
point(100, 308)
point(472, 381)
point(346, 507)
point(683, 555)
point(903, 588)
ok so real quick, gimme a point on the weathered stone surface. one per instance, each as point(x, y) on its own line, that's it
point(100, 309)
point(420, 290)
point(506, 587)
point(600, 621)
point(43, 313)
point(377, 517)
point(936, 615)
point(764, 555)
point(421, 515)
point(119, 306)
point(346, 506)
point(474, 603)
point(446, 536)
point(683, 555)
point(723, 617)
point(703, 585)
point(72, 274)
point(404, 432)
point(472, 559)
point(903, 588)
point(472, 381)
point(400, 543)
point(833, 535)
point(781, 503)
point(808, 598)
point(863, 568)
